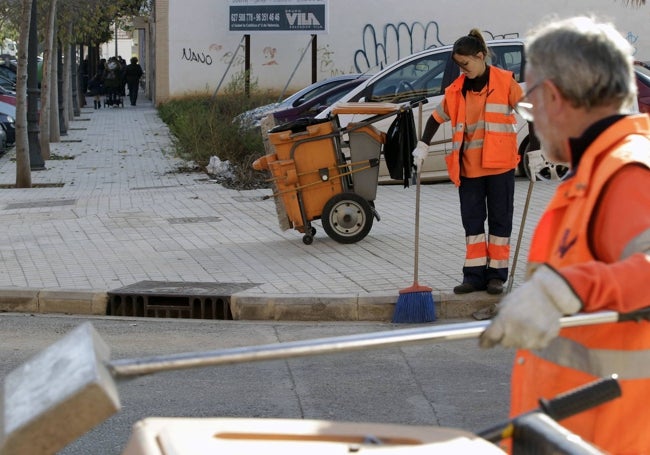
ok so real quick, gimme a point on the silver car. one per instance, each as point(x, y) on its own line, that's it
point(427, 74)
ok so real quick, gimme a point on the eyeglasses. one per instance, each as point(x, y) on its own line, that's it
point(525, 108)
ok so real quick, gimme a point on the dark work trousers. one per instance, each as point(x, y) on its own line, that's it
point(492, 198)
point(133, 92)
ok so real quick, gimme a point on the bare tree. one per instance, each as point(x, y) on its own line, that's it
point(46, 82)
point(23, 170)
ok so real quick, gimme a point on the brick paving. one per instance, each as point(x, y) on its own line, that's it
point(117, 208)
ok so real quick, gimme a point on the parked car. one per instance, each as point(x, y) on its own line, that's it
point(8, 74)
point(9, 125)
point(316, 104)
point(8, 115)
point(8, 70)
point(7, 97)
point(6, 85)
point(252, 118)
point(3, 140)
point(427, 74)
point(642, 72)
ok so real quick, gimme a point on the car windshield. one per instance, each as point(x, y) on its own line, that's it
point(317, 91)
point(429, 75)
point(643, 73)
point(421, 77)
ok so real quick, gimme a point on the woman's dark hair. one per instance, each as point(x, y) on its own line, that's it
point(471, 44)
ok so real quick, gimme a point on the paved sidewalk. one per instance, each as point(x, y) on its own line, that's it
point(116, 208)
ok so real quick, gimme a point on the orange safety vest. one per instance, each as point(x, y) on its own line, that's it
point(582, 354)
point(500, 140)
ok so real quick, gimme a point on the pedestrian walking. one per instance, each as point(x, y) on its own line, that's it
point(96, 89)
point(133, 73)
point(591, 248)
point(480, 106)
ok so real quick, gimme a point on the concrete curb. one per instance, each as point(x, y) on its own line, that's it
point(378, 307)
point(250, 306)
point(53, 300)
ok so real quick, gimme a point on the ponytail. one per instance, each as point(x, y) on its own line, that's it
point(471, 44)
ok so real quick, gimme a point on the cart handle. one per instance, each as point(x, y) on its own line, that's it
point(562, 406)
point(373, 162)
point(318, 182)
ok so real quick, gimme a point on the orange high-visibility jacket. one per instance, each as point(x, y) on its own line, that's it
point(567, 238)
point(500, 138)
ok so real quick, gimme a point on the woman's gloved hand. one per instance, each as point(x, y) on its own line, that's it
point(420, 152)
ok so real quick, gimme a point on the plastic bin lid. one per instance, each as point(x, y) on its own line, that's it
point(298, 125)
point(365, 108)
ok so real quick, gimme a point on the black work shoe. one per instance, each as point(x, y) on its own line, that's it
point(465, 288)
point(495, 286)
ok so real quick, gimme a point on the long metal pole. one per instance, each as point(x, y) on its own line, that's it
point(293, 73)
point(147, 365)
point(228, 67)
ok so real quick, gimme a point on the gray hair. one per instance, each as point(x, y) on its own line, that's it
point(590, 62)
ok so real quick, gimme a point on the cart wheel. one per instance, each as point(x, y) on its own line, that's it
point(307, 239)
point(313, 231)
point(347, 217)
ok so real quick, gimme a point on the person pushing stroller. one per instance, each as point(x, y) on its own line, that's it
point(113, 82)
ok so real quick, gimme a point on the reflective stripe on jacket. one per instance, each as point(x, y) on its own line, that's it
point(500, 139)
point(581, 354)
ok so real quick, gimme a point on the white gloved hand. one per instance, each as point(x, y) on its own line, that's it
point(420, 152)
point(529, 316)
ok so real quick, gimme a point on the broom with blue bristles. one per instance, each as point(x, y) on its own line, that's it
point(415, 303)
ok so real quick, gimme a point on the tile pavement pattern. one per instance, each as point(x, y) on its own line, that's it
point(116, 208)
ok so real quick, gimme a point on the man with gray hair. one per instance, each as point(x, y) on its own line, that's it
point(591, 248)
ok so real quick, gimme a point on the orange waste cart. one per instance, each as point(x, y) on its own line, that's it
point(322, 171)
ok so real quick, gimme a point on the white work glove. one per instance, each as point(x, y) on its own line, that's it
point(529, 316)
point(420, 152)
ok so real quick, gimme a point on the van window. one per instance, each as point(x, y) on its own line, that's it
point(413, 79)
point(509, 58)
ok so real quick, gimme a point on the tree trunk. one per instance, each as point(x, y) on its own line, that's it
point(73, 86)
point(58, 100)
point(55, 132)
point(46, 82)
point(23, 170)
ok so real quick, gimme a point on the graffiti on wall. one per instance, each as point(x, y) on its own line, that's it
point(395, 41)
point(327, 64)
point(198, 57)
point(632, 39)
point(269, 56)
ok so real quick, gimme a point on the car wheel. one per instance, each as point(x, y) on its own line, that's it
point(544, 169)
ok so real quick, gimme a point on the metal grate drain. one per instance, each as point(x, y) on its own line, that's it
point(164, 299)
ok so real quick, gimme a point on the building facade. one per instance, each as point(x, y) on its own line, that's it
point(194, 46)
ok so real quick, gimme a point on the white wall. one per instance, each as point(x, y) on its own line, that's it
point(201, 46)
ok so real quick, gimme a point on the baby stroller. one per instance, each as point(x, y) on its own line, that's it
point(113, 97)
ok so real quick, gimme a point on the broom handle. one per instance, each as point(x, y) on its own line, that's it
point(303, 348)
point(521, 233)
point(417, 206)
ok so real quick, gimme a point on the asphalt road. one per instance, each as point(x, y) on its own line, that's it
point(450, 384)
